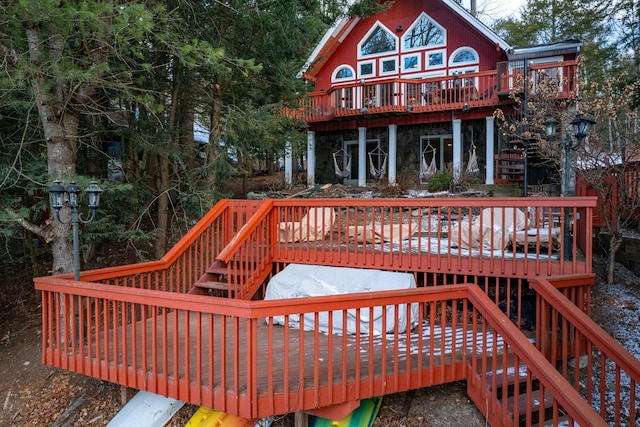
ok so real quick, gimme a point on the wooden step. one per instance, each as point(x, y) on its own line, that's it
point(509, 376)
point(535, 402)
point(219, 286)
point(217, 269)
point(562, 421)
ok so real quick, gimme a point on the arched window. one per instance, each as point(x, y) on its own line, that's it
point(343, 72)
point(378, 41)
point(425, 32)
point(464, 55)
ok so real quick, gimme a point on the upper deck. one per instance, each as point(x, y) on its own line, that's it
point(471, 92)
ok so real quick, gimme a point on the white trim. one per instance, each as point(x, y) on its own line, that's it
point(431, 52)
point(457, 8)
point(366, 36)
point(419, 64)
point(415, 22)
point(373, 69)
point(477, 24)
point(381, 62)
point(462, 49)
point(334, 79)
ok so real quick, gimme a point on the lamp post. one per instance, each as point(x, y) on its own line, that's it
point(58, 194)
point(581, 126)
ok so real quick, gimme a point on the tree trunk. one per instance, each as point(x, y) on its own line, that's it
point(60, 128)
point(614, 244)
point(163, 181)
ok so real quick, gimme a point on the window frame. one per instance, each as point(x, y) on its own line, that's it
point(435, 67)
point(335, 79)
point(379, 54)
point(371, 62)
point(381, 66)
point(462, 64)
point(414, 24)
point(419, 67)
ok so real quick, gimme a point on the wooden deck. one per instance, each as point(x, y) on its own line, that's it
point(140, 326)
point(291, 356)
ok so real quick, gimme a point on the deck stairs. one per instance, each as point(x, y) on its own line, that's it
point(510, 164)
point(214, 282)
point(509, 387)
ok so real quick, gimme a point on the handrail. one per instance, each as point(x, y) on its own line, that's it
point(110, 356)
point(590, 329)
point(248, 256)
point(441, 235)
point(568, 333)
point(579, 410)
point(172, 255)
point(249, 227)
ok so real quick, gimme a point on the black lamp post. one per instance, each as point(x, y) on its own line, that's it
point(581, 126)
point(58, 194)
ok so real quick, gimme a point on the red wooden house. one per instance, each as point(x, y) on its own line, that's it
point(420, 80)
point(414, 89)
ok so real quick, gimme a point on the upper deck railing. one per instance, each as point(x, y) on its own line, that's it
point(499, 237)
point(434, 94)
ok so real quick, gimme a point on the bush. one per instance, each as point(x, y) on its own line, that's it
point(441, 182)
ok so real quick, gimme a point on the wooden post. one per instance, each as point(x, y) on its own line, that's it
point(126, 393)
point(301, 419)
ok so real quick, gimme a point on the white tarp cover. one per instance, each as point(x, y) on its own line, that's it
point(300, 281)
point(493, 232)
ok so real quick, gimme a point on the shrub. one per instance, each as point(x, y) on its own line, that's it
point(441, 182)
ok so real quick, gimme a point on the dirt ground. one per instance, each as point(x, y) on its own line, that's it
point(35, 395)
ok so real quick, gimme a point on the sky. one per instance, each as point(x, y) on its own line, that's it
point(496, 9)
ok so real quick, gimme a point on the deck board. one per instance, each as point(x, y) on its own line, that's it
point(328, 359)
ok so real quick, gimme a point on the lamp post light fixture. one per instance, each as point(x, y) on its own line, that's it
point(581, 127)
point(58, 194)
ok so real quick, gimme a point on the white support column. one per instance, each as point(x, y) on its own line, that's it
point(311, 158)
point(288, 164)
point(489, 150)
point(457, 149)
point(362, 157)
point(393, 135)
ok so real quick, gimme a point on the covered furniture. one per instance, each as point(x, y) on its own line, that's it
point(313, 226)
point(300, 281)
point(492, 230)
point(376, 233)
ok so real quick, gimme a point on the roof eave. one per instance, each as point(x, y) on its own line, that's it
point(552, 49)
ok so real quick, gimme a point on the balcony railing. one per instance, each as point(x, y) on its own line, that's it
point(473, 90)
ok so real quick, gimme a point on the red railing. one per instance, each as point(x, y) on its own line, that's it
point(431, 94)
point(457, 236)
point(622, 193)
point(188, 259)
point(563, 74)
point(596, 365)
point(511, 377)
point(246, 358)
point(248, 256)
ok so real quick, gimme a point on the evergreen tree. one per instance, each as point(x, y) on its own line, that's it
point(550, 21)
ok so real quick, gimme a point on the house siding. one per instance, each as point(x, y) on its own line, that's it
point(404, 14)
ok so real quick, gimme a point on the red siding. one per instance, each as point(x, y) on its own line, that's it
point(459, 33)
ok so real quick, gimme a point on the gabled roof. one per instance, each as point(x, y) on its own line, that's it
point(334, 37)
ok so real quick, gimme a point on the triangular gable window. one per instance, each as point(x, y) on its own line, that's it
point(378, 41)
point(424, 33)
